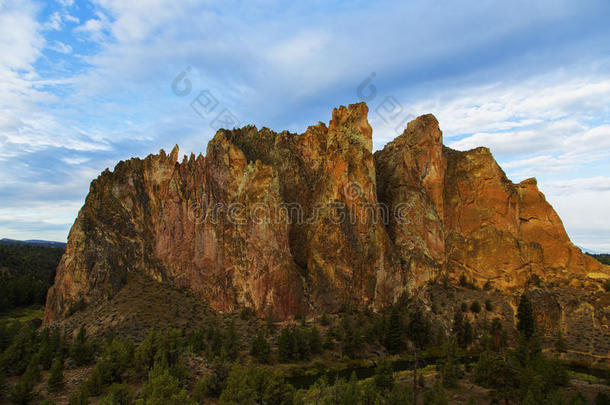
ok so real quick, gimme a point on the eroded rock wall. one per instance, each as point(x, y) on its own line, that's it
point(290, 224)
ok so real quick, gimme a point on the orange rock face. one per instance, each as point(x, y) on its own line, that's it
point(290, 224)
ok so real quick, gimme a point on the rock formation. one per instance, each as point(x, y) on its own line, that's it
point(292, 224)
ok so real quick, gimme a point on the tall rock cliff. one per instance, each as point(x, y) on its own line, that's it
point(290, 224)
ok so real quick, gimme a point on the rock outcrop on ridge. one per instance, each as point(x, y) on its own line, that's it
point(291, 224)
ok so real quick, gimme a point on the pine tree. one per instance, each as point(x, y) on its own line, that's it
point(2, 383)
point(393, 335)
point(418, 329)
point(462, 329)
point(497, 336)
point(213, 384)
point(302, 348)
point(525, 316)
point(80, 397)
point(285, 345)
point(261, 349)
point(56, 379)
point(352, 394)
point(22, 393)
point(230, 346)
point(81, 351)
point(45, 354)
point(437, 395)
point(120, 394)
point(448, 367)
point(32, 372)
point(329, 343)
point(163, 389)
point(384, 377)
point(467, 333)
point(216, 345)
point(315, 340)
point(530, 399)
point(352, 340)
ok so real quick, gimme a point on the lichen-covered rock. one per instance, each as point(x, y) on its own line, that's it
point(289, 224)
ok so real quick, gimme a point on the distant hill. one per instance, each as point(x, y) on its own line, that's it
point(27, 270)
point(602, 257)
point(34, 242)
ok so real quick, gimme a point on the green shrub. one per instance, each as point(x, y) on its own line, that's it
point(419, 329)
point(437, 395)
point(577, 399)
point(260, 349)
point(32, 372)
point(315, 340)
point(475, 307)
point(80, 397)
point(22, 393)
point(393, 339)
point(45, 353)
point(212, 384)
point(384, 375)
point(82, 350)
point(525, 315)
point(602, 399)
point(400, 395)
point(120, 394)
point(56, 379)
point(246, 314)
point(20, 351)
point(253, 385)
point(163, 389)
point(294, 343)
point(230, 347)
point(96, 381)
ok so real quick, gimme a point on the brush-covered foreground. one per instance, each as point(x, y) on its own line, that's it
point(353, 357)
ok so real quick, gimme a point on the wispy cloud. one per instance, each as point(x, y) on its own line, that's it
point(85, 83)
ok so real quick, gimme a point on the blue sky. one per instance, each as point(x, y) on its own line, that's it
point(86, 84)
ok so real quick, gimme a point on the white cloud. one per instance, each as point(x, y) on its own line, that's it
point(271, 62)
point(20, 38)
point(95, 28)
point(71, 18)
point(549, 126)
point(74, 161)
point(54, 22)
point(582, 205)
point(546, 98)
point(60, 47)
